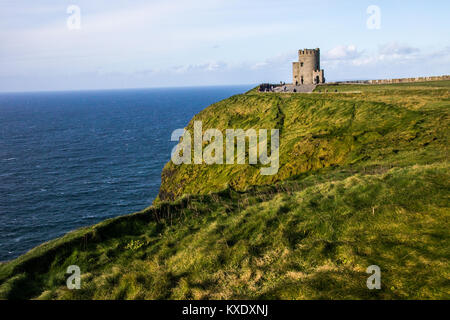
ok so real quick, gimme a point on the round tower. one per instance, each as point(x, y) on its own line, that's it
point(307, 69)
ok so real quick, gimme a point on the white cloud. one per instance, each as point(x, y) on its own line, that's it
point(394, 48)
point(343, 52)
point(201, 67)
point(391, 60)
point(350, 55)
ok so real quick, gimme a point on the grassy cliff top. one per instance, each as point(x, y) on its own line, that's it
point(374, 125)
point(363, 180)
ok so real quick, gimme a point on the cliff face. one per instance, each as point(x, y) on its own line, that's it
point(363, 180)
point(318, 132)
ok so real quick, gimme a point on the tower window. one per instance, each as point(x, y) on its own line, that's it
point(301, 64)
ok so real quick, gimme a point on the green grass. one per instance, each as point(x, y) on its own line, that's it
point(296, 240)
point(380, 87)
point(393, 127)
point(364, 180)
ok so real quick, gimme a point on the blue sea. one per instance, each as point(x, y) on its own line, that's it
point(72, 159)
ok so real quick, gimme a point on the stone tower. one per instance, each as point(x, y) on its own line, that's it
point(307, 69)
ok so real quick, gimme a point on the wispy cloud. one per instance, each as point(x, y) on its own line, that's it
point(394, 48)
point(389, 60)
point(207, 67)
point(343, 52)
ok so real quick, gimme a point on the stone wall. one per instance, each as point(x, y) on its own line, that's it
point(406, 80)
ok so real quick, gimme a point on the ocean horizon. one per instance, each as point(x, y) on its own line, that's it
point(249, 86)
point(70, 159)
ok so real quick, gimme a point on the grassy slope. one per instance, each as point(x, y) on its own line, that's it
point(395, 125)
point(368, 185)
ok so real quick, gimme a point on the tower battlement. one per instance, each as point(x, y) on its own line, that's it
point(308, 51)
point(307, 69)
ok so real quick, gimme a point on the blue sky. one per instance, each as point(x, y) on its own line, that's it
point(139, 44)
